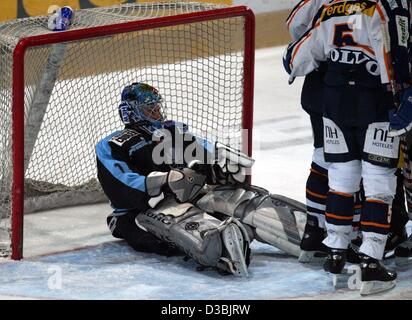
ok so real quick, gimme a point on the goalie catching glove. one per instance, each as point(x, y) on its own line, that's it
point(183, 184)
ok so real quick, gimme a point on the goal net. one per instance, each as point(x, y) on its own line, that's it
point(59, 93)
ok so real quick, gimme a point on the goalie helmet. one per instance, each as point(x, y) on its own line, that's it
point(141, 102)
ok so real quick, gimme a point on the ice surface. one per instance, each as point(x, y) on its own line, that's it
point(114, 271)
point(101, 268)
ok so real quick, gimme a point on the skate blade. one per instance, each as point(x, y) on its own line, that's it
point(312, 256)
point(347, 278)
point(403, 262)
point(233, 241)
point(340, 281)
point(374, 287)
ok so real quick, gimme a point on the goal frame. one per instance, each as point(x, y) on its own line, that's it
point(18, 140)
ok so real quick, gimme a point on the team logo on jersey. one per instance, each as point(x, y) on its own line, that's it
point(124, 136)
point(402, 25)
point(345, 56)
point(348, 8)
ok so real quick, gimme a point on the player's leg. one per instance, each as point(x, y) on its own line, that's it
point(380, 158)
point(210, 242)
point(271, 219)
point(316, 193)
point(124, 227)
point(399, 218)
point(380, 186)
point(344, 181)
point(317, 182)
point(341, 150)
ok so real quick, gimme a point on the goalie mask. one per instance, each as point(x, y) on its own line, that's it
point(141, 102)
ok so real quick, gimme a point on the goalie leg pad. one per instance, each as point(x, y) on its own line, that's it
point(209, 241)
point(274, 219)
point(236, 256)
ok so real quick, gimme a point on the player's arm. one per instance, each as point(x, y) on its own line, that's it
point(302, 17)
point(305, 55)
point(220, 164)
point(125, 188)
point(390, 36)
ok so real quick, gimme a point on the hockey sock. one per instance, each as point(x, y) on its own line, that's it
point(316, 193)
point(375, 227)
point(339, 218)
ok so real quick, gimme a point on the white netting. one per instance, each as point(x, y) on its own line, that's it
point(197, 67)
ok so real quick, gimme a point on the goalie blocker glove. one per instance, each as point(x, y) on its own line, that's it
point(183, 184)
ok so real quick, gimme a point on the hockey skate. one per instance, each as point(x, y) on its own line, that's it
point(403, 253)
point(312, 248)
point(393, 241)
point(375, 277)
point(236, 248)
point(335, 264)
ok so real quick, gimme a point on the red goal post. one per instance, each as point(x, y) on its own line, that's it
point(19, 87)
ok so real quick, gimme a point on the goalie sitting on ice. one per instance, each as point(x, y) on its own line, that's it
point(202, 207)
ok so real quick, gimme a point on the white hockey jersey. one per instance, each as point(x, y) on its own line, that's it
point(302, 17)
point(349, 35)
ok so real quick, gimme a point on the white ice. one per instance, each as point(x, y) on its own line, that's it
point(83, 261)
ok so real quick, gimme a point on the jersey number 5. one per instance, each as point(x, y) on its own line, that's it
point(343, 36)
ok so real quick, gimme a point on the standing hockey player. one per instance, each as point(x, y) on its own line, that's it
point(301, 19)
point(349, 37)
point(160, 204)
